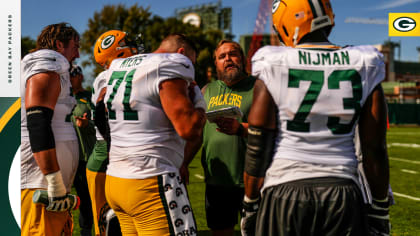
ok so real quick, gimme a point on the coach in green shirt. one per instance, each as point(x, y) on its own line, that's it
point(224, 141)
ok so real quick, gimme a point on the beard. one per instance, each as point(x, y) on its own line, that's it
point(232, 76)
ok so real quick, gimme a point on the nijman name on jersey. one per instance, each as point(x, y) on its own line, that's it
point(324, 58)
point(132, 61)
point(225, 99)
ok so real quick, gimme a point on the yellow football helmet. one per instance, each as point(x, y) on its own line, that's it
point(111, 45)
point(293, 19)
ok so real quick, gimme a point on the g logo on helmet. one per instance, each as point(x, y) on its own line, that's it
point(404, 24)
point(276, 4)
point(108, 41)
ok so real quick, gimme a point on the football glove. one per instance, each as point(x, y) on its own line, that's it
point(249, 216)
point(59, 204)
point(378, 218)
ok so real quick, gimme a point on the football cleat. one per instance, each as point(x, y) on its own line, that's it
point(293, 19)
point(112, 224)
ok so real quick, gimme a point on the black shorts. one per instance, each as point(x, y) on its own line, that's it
point(321, 206)
point(223, 205)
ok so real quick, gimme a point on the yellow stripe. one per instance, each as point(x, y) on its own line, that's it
point(9, 114)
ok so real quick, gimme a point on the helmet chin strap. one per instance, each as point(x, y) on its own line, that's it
point(295, 36)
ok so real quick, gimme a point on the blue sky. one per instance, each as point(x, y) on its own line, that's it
point(244, 13)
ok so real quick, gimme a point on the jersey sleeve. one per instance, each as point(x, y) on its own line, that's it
point(98, 85)
point(45, 61)
point(259, 64)
point(375, 67)
point(175, 66)
point(263, 61)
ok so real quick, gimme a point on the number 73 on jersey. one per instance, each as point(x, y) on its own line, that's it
point(317, 80)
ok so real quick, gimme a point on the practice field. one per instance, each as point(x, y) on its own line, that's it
point(404, 158)
point(404, 154)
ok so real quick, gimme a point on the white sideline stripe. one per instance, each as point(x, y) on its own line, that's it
point(404, 133)
point(406, 196)
point(199, 176)
point(404, 160)
point(409, 171)
point(412, 145)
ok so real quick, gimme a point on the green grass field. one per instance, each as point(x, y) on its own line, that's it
point(404, 153)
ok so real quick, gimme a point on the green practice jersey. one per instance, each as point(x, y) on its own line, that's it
point(223, 155)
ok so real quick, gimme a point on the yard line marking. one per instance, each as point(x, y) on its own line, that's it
point(199, 176)
point(409, 171)
point(404, 160)
point(412, 145)
point(404, 133)
point(406, 196)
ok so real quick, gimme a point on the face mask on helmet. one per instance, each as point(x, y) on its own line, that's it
point(136, 44)
point(111, 45)
point(293, 19)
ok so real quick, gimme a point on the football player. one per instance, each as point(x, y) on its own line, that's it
point(153, 107)
point(49, 148)
point(110, 45)
point(309, 96)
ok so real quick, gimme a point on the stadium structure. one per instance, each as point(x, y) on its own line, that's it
point(208, 16)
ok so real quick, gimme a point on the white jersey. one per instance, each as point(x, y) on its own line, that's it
point(50, 61)
point(64, 134)
point(98, 85)
point(319, 95)
point(137, 121)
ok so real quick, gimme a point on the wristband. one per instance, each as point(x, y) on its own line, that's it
point(250, 205)
point(249, 200)
point(56, 187)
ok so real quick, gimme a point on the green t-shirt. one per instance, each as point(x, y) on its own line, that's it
point(223, 155)
point(86, 135)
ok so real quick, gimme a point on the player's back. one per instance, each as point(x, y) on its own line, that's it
point(136, 116)
point(319, 94)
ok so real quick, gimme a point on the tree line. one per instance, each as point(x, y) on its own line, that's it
point(136, 20)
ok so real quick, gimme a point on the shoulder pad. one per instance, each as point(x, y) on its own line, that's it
point(100, 81)
point(371, 55)
point(175, 65)
point(270, 54)
point(46, 60)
